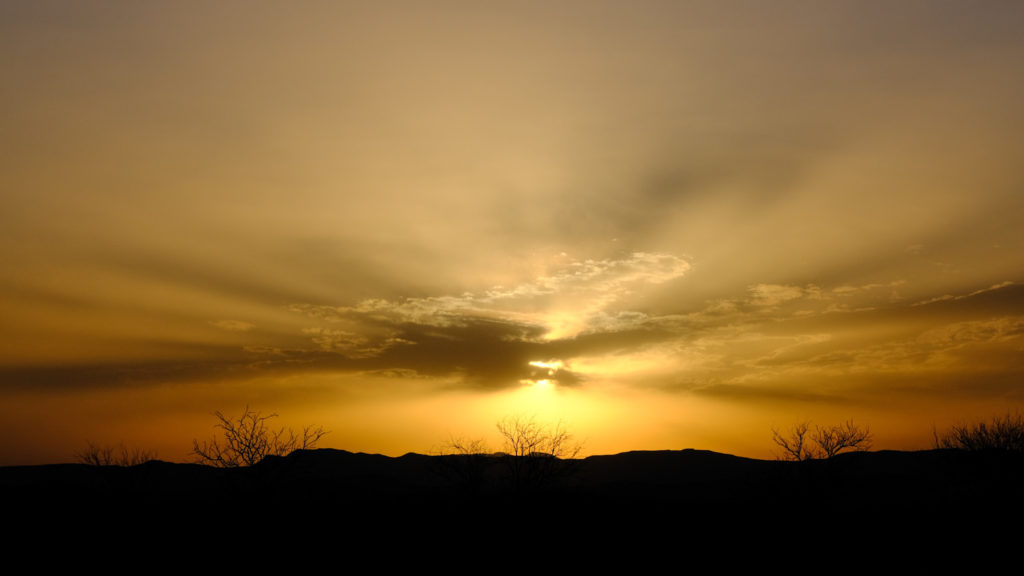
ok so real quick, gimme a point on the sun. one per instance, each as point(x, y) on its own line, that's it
point(543, 384)
point(552, 366)
point(548, 368)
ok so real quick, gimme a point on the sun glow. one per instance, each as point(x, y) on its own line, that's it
point(542, 398)
point(543, 384)
point(552, 366)
point(547, 377)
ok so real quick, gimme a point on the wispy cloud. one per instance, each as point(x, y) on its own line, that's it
point(945, 297)
point(574, 299)
point(501, 323)
point(233, 325)
point(775, 294)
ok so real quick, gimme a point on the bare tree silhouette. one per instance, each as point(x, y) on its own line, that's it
point(120, 455)
point(464, 462)
point(1004, 433)
point(795, 445)
point(800, 443)
point(533, 456)
point(247, 440)
point(536, 456)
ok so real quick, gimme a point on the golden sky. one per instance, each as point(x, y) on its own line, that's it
point(669, 224)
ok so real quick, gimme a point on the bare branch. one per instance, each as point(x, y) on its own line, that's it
point(310, 436)
point(536, 455)
point(464, 462)
point(824, 442)
point(120, 455)
point(832, 440)
point(1004, 433)
point(247, 440)
point(794, 445)
point(462, 446)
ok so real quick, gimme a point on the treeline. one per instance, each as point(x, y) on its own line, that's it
point(528, 446)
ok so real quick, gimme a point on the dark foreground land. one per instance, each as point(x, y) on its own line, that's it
point(685, 494)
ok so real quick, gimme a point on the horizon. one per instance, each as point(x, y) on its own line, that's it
point(668, 225)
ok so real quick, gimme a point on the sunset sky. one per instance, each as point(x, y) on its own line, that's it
point(668, 224)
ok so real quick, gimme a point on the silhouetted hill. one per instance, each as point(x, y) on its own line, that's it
point(693, 491)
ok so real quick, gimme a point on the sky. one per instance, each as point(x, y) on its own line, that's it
point(665, 224)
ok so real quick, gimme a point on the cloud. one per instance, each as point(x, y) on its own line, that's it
point(682, 143)
point(775, 294)
point(846, 339)
point(553, 371)
point(491, 336)
point(335, 340)
point(960, 334)
point(584, 290)
point(233, 325)
point(978, 292)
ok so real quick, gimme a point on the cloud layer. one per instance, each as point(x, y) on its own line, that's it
point(754, 203)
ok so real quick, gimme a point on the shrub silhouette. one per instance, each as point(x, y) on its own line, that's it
point(464, 462)
point(247, 440)
point(536, 456)
point(533, 456)
point(801, 443)
point(120, 455)
point(1004, 433)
